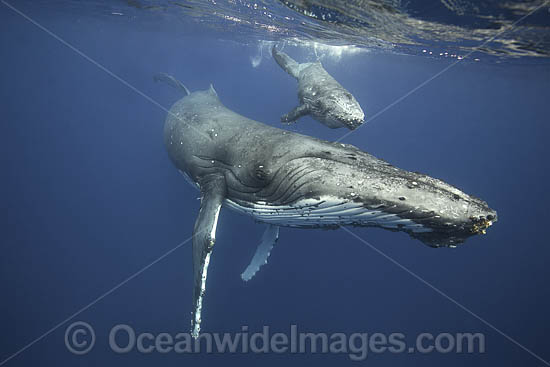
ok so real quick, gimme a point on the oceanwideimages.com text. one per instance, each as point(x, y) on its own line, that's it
point(122, 338)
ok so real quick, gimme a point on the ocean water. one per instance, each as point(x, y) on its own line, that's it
point(94, 211)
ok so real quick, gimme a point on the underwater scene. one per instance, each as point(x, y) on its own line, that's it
point(297, 182)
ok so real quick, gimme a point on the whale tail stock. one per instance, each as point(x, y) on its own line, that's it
point(170, 80)
point(286, 62)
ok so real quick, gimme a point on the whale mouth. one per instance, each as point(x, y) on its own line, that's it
point(353, 124)
point(325, 212)
point(451, 236)
point(333, 212)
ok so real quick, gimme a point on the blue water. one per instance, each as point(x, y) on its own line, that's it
point(90, 197)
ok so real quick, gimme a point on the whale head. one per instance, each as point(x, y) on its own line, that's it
point(361, 190)
point(340, 109)
point(339, 185)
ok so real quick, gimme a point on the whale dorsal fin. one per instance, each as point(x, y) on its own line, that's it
point(213, 191)
point(286, 62)
point(269, 238)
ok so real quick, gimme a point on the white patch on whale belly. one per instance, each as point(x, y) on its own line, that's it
point(326, 211)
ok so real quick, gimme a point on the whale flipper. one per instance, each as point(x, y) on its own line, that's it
point(170, 80)
point(286, 62)
point(269, 238)
point(295, 114)
point(213, 192)
point(211, 90)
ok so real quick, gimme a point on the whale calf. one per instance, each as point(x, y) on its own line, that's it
point(320, 95)
point(286, 179)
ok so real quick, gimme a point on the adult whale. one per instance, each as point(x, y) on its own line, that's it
point(320, 95)
point(286, 179)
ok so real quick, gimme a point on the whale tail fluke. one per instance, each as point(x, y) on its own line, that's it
point(286, 62)
point(170, 80)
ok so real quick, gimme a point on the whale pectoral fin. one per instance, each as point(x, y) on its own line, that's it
point(269, 238)
point(211, 90)
point(213, 190)
point(295, 114)
point(286, 62)
point(170, 80)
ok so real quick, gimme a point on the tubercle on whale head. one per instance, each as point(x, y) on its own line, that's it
point(353, 123)
point(455, 236)
point(450, 215)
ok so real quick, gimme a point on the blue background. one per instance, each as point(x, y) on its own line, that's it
point(90, 197)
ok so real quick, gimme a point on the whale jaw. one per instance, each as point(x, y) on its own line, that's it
point(332, 212)
point(324, 212)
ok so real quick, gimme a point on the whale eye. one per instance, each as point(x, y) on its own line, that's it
point(260, 173)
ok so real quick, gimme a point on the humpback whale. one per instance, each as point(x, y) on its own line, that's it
point(320, 95)
point(281, 178)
